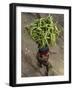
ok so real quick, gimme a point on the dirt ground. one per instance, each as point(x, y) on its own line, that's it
point(29, 50)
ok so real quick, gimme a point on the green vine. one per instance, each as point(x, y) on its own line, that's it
point(44, 31)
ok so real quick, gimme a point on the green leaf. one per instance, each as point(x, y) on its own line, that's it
point(45, 31)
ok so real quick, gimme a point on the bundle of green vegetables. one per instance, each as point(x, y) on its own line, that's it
point(44, 31)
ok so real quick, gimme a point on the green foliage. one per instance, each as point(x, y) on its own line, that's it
point(44, 31)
